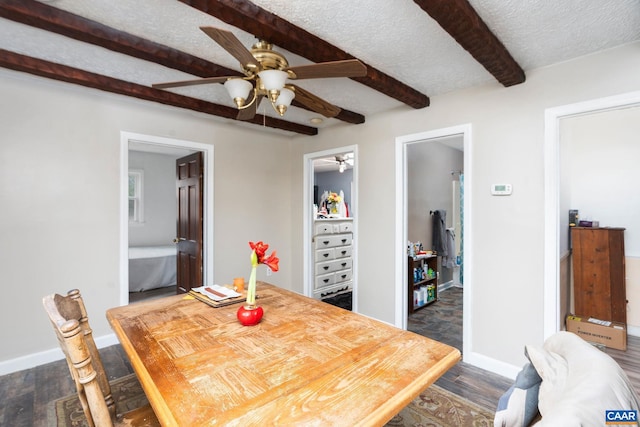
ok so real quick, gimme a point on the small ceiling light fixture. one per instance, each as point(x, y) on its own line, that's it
point(342, 166)
point(316, 120)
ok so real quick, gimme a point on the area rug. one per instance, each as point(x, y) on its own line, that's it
point(126, 391)
point(437, 407)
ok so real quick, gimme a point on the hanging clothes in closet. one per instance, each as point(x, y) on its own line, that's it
point(449, 260)
point(438, 240)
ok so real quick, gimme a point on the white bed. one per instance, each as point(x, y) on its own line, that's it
point(151, 267)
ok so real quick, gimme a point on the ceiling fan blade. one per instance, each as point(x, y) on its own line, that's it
point(201, 81)
point(346, 68)
point(249, 112)
point(231, 44)
point(315, 103)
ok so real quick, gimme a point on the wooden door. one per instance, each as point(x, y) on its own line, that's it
point(189, 175)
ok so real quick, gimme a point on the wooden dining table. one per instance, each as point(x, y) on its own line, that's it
point(307, 363)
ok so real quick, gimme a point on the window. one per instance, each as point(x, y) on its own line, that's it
point(135, 196)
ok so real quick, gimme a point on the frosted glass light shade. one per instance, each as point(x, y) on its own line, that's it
point(238, 90)
point(273, 79)
point(284, 100)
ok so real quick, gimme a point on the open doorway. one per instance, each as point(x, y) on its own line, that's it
point(148, 224)
point(330, 226)
point(556, 249)
point(442, 199)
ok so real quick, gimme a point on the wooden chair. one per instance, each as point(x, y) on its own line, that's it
point(69, 319)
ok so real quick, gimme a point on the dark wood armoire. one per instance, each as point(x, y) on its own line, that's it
point(599, 273)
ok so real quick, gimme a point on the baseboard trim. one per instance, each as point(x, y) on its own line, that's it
point(511, 371)
point(492, 365)
point(43, 357)
point(448, 285)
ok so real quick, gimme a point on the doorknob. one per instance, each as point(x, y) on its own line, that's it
point(176, 240)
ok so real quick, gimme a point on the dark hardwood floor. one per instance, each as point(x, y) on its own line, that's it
point(442, 321)
point(28, 396)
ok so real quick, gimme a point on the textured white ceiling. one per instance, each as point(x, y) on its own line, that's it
point(396, 37)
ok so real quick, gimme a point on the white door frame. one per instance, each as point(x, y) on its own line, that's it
point(307, 219)
point(552, 116)
point(401, 290)
point(207, 231)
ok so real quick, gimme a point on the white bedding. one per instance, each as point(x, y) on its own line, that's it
point(137, 252)
point(151, 267)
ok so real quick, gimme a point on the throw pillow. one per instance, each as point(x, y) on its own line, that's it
point(518, 406)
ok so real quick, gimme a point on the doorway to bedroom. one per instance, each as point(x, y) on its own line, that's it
point(151, 246)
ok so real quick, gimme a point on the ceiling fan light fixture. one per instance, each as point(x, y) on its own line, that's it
point(284, 100)
point(238, 90)
point(266, 73)
point(273, 81)
point(342, 166)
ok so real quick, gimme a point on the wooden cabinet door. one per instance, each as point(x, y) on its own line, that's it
point(599, 273)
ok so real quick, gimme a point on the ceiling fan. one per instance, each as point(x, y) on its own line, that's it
point(342, 160)
point(266, 73)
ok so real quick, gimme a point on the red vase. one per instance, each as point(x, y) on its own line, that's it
point(249, 315)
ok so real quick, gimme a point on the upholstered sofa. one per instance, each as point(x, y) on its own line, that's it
point(568, 382)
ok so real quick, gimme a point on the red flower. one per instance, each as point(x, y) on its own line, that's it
point(271, 262)
point(260, 249)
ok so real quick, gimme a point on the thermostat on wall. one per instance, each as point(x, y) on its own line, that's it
point(501, 189)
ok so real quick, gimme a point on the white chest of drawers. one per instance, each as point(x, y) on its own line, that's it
point(333, 256)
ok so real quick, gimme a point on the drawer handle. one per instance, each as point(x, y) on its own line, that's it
point(343, 252)
point(325, 280)
point(326, 242)
point(343, 264)
point(325, 255)
point(326, 267)
point(344, 276)
point(344, 240)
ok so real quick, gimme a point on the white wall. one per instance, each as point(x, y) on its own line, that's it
point(602, 161)
point(159, 199)
point(59, 161)
point(429, 188)
point(60, 198)
point(508, 144)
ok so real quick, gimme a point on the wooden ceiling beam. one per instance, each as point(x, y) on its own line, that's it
point(263, 24)
point(45, 17)
point(51, 70)
point(462, 22)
